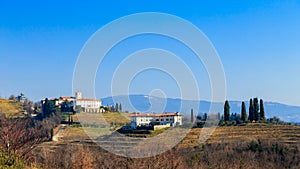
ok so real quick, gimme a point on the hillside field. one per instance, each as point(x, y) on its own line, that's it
point(11, 108)
point(254, 145)
point(285, 134)
point(250, 146)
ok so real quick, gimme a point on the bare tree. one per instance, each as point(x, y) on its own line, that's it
point(28, 106)
point(19, 136)
point(37, 107)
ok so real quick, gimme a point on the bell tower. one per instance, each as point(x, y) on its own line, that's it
point(78, 95)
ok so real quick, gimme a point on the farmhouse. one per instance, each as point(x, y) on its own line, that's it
point(147, 120)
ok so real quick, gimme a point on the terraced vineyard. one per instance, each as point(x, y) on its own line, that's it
point(286, 134)
point(226, 143)
point(231, 134)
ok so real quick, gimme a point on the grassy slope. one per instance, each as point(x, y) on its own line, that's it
point(196, 154)
point(11, 108)
point(95, 125)
point(100, 118)
point(286, 134)
point(228, 134)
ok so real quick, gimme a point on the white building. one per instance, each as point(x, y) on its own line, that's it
point(88, 105)
point(138, 120)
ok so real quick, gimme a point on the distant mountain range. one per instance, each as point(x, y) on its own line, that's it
point(145, 103)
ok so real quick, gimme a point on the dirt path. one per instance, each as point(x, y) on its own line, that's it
point(56, 136)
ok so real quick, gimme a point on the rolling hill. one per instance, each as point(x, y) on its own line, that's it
point(11, 108)
point(145, 103)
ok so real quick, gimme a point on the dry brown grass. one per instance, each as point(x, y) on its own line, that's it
point(228, 147)
point(93, 125)
point(11, 108)
point(83, 133)
point(285, 134)
point(100, 118)
point(74, 133)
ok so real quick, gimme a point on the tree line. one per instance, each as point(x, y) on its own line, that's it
point(114, 108)
point(256, 111)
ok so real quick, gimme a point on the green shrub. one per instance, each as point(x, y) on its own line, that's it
point(10, 161)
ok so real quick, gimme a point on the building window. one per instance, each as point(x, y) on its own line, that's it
point(167, 119)
point(161, 119)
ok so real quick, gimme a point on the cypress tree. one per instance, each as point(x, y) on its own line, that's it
point(117, 107)
point(235, 116)
point(120, 107)
point(262, 110)
point(243, 113)
point(256, 109)
point(192, 115)
point(251, 111)
point(226, 111)
point(205, 116)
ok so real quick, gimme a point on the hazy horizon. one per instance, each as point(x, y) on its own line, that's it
point(257, 42)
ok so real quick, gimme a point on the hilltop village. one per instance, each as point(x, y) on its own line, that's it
point(79, 104)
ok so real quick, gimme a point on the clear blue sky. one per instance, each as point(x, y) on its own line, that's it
point(257, 41)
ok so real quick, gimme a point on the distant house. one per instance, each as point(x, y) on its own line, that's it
point(140, 120)
point(66, 99)
point(54, 100)
point(58, 102)
point(49, 105)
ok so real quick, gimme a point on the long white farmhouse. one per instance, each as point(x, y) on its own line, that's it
point(140, 120)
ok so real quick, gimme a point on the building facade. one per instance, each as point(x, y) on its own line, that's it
point(140, 120)
point(87, 104)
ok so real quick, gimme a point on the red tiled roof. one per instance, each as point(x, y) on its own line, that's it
point(89, 100)
point(50, 99)
point(66, 97)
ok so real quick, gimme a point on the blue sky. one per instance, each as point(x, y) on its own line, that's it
point(257, 41)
